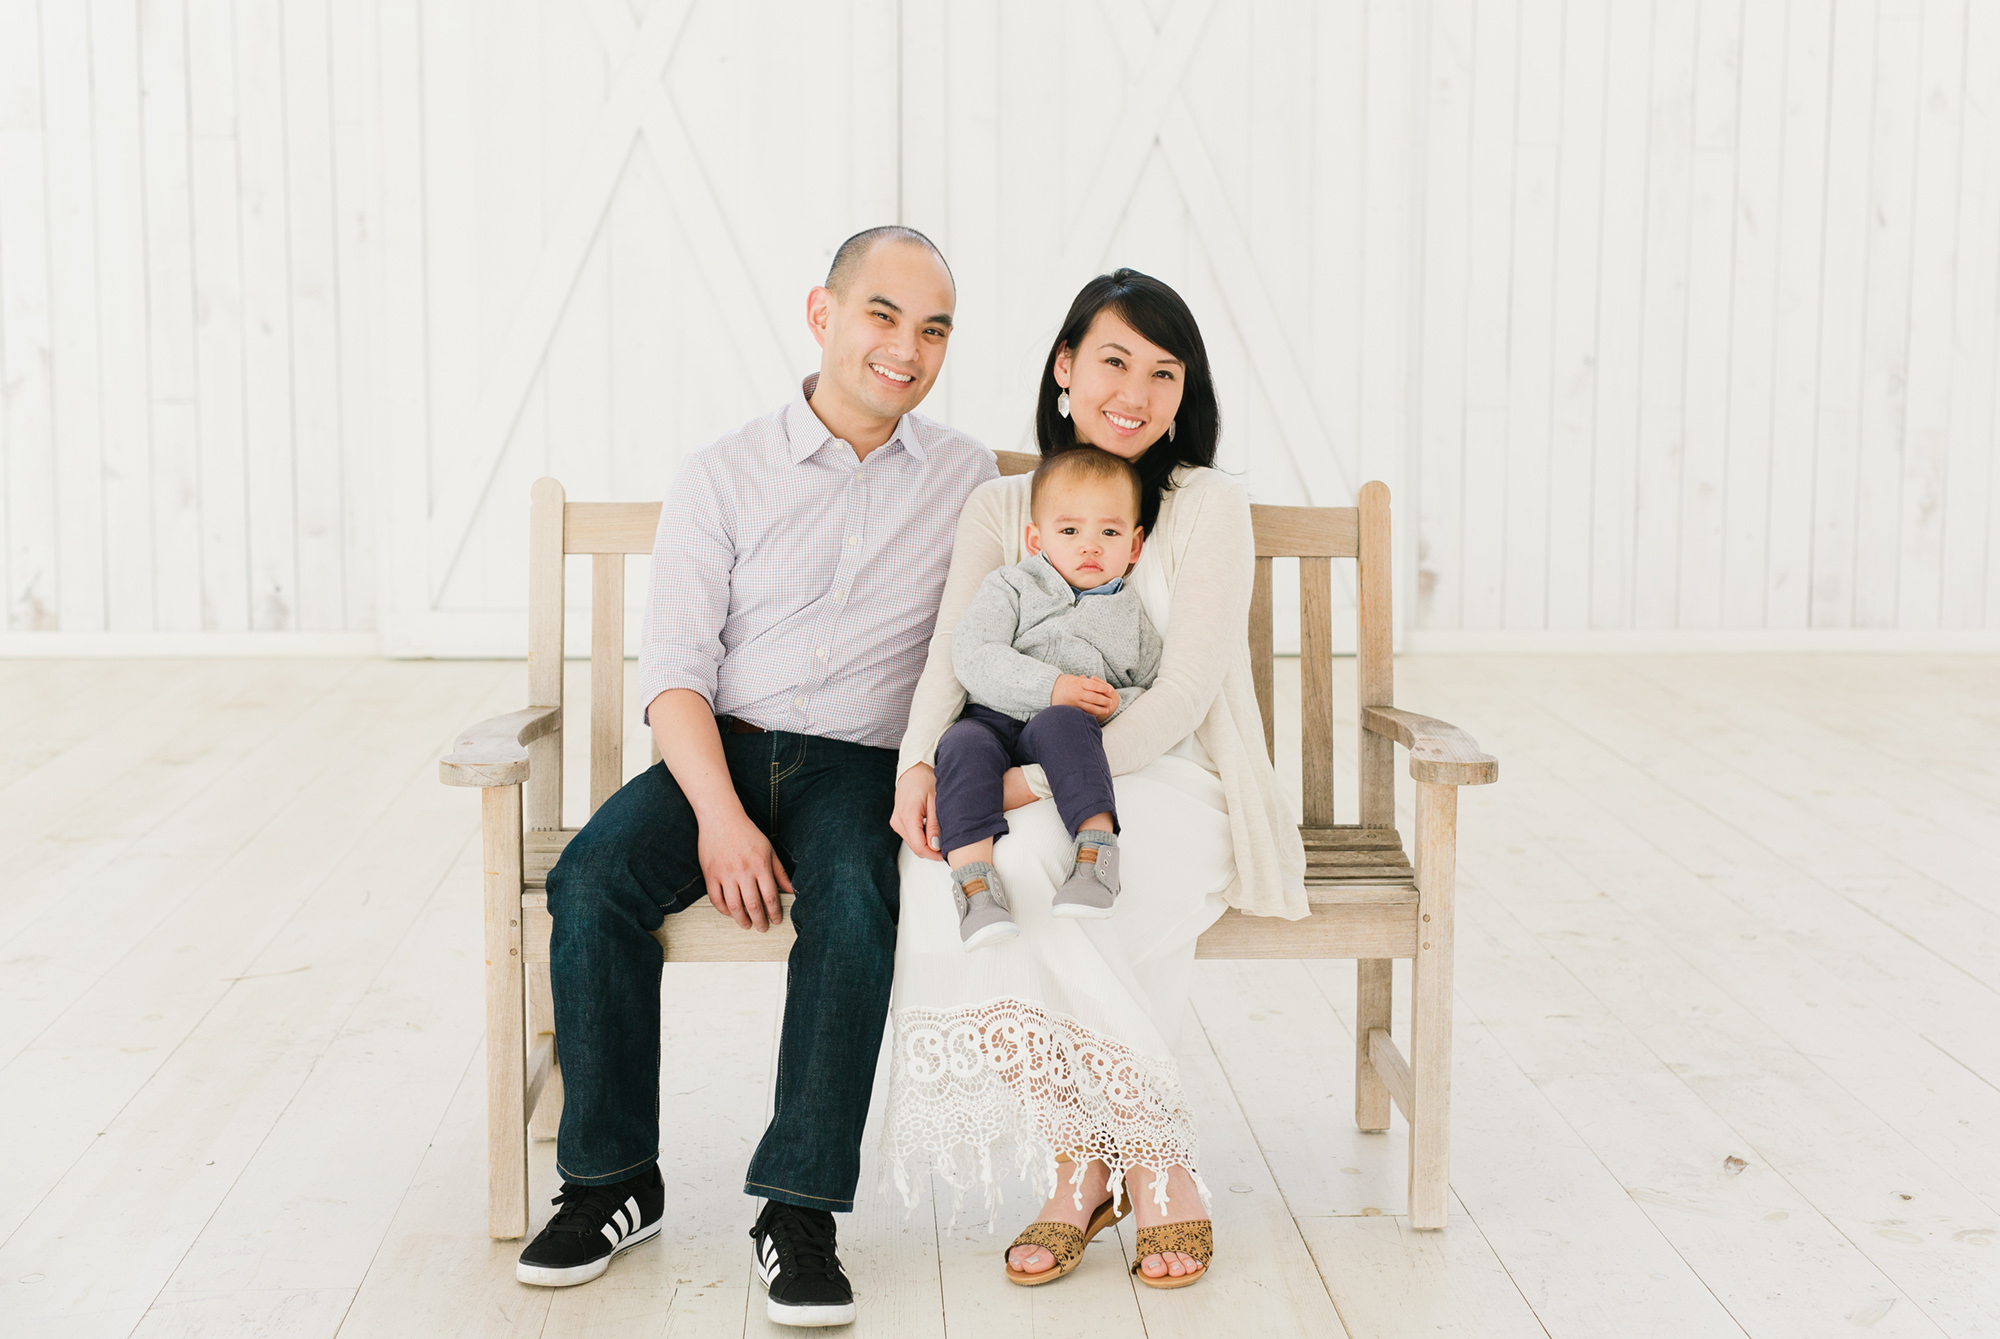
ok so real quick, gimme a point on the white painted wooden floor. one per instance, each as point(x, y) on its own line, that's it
point(1728, 1024)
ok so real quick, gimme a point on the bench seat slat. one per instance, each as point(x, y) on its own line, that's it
point(1358, 879)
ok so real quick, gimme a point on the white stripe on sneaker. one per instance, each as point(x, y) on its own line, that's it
point(611, 1234)
point(632, 1214)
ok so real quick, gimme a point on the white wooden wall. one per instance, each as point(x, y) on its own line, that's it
point(1654, 314)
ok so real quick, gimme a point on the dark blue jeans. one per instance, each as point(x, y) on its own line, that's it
point(825, 806)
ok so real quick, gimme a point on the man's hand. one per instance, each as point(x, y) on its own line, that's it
point(1094, 695)
point(915, 815)
point(743, 873)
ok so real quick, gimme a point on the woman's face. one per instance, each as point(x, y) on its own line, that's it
point(1124, 390)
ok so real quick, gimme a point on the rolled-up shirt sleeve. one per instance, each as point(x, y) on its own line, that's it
point(689, 591)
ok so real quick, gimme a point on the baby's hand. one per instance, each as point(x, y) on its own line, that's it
point(1093, 695)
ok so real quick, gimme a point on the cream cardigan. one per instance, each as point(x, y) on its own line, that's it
point(1207, 553)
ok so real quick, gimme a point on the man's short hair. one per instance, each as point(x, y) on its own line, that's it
point(1083, 462)
point(855, 249)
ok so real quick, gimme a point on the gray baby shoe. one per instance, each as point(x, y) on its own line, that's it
point(983, 917)
point(1092, 886)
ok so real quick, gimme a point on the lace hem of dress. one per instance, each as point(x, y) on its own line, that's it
point(977, 1087)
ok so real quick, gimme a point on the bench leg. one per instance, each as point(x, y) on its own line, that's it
point(1373, 1000)
point(546, 1118)
point(1430, 1008)
point(506, 1056)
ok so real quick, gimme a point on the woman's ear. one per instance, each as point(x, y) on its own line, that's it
point(1063, 366)
point(1031, 539)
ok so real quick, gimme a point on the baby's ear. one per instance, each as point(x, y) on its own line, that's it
point(1031, 539)
point(1138, 541)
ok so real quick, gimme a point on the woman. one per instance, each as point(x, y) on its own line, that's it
point(1058, 1046)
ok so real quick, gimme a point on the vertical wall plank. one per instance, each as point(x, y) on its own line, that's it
point(1441, 370)
point(73, 359)
point(174, 466)
point(1796, 369)
point(271, 482)
point(1843, 306)
point(1573, 358)
point(218, 327)
point(1496, 54)
point(313, 301)
point(1744, 496)
point(1971, 588)
point(27, 421)
point(1705, 387)
point(1892, 207)
point(1663, 404)
point(124, 388)
point(1934, 280)
point(1620, 307)
point(1538, 130)
point(353, 43)
point(401, 347)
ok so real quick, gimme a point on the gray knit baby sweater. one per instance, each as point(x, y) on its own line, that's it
point(1026, 626)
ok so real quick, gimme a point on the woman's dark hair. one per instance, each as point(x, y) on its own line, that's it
point(1157, 312)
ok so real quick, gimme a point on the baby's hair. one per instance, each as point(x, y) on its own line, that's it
point(1082, 462)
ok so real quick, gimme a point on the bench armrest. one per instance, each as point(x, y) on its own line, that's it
point(495, 752)
point(1439, 752)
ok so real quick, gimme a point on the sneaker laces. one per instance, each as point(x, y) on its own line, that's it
point(805, 1242)
point(585, 1210)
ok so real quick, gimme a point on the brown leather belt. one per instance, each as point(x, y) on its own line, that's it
point(737, 726)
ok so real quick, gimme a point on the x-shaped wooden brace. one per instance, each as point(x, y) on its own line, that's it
point(1156, 110)
point(636, 107)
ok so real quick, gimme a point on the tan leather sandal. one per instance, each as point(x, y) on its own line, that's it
point(1194, 1238)
point(1061, 1240)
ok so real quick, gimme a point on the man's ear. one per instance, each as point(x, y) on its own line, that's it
point(819, 310)
point(1032, 540)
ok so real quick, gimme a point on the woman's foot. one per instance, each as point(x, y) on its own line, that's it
point(1183, 1205)
point(1061, 1208)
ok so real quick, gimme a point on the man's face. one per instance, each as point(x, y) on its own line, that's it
point(1088, 528)
point(884, 339)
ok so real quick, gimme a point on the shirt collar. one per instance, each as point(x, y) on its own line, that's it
point(806, 434)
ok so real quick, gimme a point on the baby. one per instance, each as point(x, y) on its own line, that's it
point(1048, 650)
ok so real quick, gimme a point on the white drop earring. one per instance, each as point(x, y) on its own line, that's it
point(1062, 404)
point(1170, 430)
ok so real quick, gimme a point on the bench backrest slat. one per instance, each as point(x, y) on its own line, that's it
point(1313, 535)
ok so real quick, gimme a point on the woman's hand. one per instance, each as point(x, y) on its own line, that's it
point(1093, 695)
point(1014, 789)
point(915, 815)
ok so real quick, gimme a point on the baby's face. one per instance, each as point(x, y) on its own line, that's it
point(1088, 528)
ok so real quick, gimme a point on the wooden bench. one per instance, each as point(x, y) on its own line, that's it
point(1369, 901)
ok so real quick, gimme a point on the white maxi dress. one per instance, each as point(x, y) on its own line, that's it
point(1060, 1040)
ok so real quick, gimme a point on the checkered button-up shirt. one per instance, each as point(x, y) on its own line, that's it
point(795, 585)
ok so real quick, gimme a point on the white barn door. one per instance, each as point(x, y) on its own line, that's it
point(599, 231)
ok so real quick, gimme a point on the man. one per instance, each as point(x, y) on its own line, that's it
point(796, 578)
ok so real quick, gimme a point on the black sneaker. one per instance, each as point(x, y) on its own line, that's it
point(592, 1224)
point(796, 1261)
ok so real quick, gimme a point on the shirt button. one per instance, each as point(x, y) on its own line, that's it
point(839, 596)
point(854, 539)
point(821, 653)
point(798, 702)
